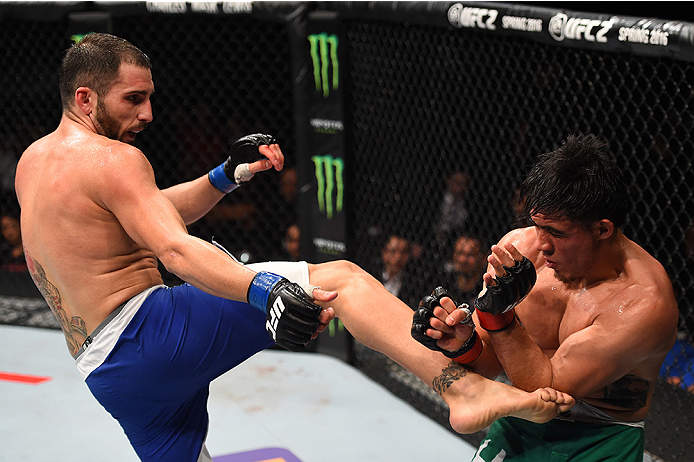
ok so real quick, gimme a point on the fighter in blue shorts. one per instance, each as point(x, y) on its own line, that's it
point(151, 364)
point(97, 227)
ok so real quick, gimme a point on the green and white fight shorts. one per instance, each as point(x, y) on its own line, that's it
point(588, 435)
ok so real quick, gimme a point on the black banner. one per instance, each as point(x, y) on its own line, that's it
point(604, 32)
point(84, 22)
point(55, 11)
point(323, 161)
point(35, 11)
point(270, 11)
point(641, 36)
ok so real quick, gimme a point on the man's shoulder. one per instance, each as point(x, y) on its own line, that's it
point(77, 144)
point(28, 163)
point(117, 154)
point(522, 238)
point(644, 284)
point(520, 233)
point(644, 269)
point(34, 150)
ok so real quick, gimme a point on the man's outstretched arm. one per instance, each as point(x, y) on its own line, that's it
point(193, 199)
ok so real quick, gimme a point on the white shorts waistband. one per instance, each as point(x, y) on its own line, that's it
point(102, 344)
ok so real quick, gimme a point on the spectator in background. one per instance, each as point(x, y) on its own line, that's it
point(453, 214)
point(11, 248)
point(290, 244)
point(394, 257)
point(394, 271)
point(285, 214)
point(686, 282)
point(288, 186)
point(678, 365)
point(8, 166)
point(273, 224)
point(201, 132)
point(463, 277)
point(15, 279)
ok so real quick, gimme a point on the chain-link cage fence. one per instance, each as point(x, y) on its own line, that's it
point(435, 117)
point(219, 80)
point(216, 79)
point(30, 109)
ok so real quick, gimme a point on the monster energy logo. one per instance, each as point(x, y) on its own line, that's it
point(329, 176)
point(322, 46)
point(335, 326)
point(77, 38)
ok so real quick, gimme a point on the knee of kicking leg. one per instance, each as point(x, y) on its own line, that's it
point(339, 273)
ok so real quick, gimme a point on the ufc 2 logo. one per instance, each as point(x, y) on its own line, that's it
point(274, 319)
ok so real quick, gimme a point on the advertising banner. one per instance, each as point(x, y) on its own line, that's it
point(323, 195)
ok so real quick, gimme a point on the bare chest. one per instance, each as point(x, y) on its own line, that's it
point(552, 312)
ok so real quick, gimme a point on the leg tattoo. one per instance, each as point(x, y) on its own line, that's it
point(450, 374)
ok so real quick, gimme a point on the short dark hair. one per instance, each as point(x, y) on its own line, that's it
point(94, 62)
point(579, 181)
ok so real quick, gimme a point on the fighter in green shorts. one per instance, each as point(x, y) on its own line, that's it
point(571, 303)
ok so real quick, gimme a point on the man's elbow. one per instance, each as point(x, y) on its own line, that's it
point(170, 254)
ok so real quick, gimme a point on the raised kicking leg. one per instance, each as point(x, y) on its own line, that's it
point(382, 322)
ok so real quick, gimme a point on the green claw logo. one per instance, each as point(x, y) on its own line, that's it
point(323, 54)
point(329, 176)
point(77, 38)
point(335, 326)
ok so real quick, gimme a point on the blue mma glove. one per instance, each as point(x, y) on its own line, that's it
point(472, 347)
point(291, 316)
point(234, 172)
point(495, 308)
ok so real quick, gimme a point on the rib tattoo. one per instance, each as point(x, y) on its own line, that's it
point(75, 329)
point(629, 392)
point(450, 374)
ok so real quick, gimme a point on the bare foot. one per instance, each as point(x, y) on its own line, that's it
point(542, 405)
point(476, 402)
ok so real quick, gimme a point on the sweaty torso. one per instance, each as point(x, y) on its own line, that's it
point(80, 258)
point(554, 311)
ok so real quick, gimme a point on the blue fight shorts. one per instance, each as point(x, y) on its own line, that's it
point(150, 367)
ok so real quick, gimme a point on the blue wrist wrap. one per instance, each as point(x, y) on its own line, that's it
point(259, 290)
point(220, 180)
